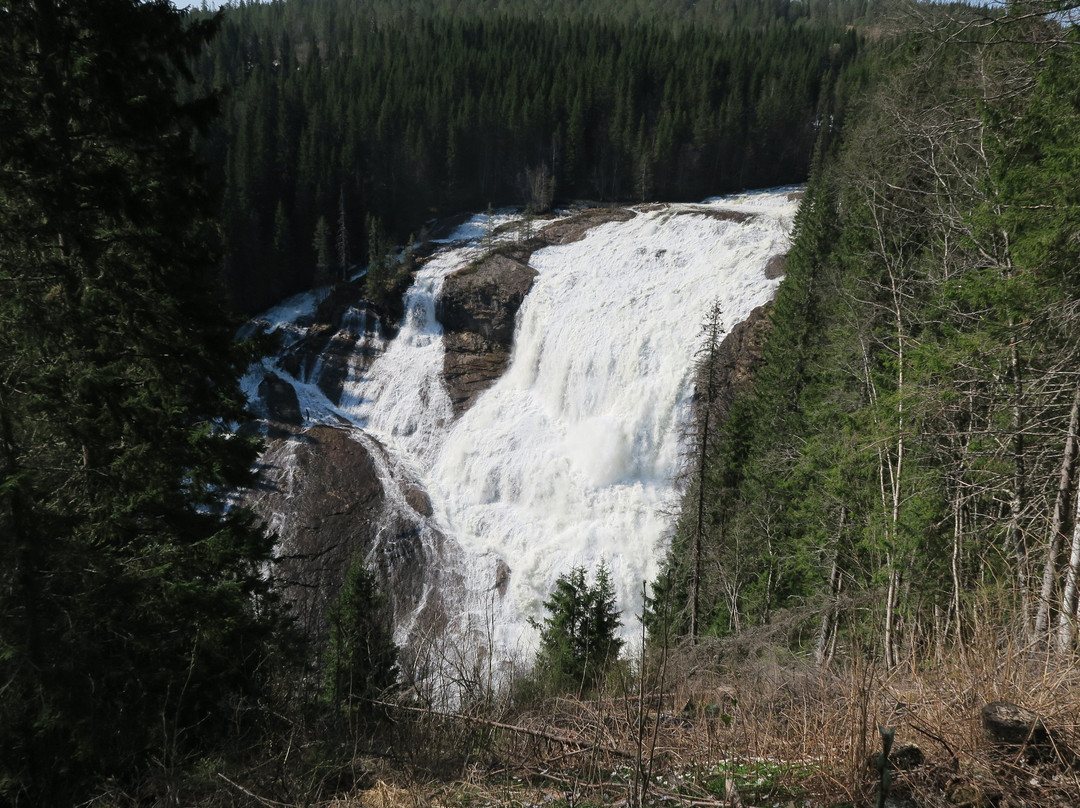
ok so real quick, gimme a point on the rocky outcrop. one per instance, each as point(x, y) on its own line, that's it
point(477, 310)
point(738, 358)
point(573, 228)
point(346, 332)
point(1020, 733)
point(479, 303)
point(320, 493)
point(282, 407)
point(775, 267)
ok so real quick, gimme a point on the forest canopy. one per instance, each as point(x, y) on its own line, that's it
point(340, 112)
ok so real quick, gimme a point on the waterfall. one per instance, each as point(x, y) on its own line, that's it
point(572, 456)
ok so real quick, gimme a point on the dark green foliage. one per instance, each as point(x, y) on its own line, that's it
point(907, 432)
point(134, 612)
point(405, 111)
point(361, 663)
point(388, 274)
point(578, 638)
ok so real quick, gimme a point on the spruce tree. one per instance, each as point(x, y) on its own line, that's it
point(579, 638)
point(134, 613)
point(362, 657)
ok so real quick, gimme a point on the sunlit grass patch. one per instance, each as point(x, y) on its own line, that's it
point(758, 779)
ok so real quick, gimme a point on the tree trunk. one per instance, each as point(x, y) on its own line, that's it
point(1057, 527)
point(955, 564)
point(1067, 616)
point(1016, 498)
point(828, 618)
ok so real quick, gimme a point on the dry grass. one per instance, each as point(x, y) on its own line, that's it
point(784, 732)
point(740, 722)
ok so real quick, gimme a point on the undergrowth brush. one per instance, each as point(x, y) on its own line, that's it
point(751, 729)
point(756, 731)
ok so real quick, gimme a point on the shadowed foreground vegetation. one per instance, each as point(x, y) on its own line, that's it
point(737, 721)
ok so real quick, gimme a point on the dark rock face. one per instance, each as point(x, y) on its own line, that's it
point(319, 490)
point(738, 358)
point(775, 267)
point(477, 310)
point(741, 350)
point(280, 399)
point(1020, 733)
point(1013, 725)
point(346, 331)
point(574, 228)
point(479, 303)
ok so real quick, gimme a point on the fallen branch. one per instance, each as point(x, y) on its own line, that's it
point(256, 797)
point(939, 739)
point(536, 733)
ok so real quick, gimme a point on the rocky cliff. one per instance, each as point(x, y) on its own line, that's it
point(479, 303)
point(477, 310)
point(345, 331)
point(739, 357)
point(328, 495)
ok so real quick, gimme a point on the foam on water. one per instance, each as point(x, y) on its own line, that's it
point(572, 456)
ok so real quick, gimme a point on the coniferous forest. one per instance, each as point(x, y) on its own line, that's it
point(881, 527)
point(346, 124)
point(135, 622)
point(908, 452)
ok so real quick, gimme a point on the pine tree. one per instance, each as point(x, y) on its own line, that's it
point(579, 638)
point(342, 239)
point(134, 612)
point(362, 662)
point(321, 243)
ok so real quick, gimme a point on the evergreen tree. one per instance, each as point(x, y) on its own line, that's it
point(578, 638)
point(134, 613)
point(362, 661)
point(321, 243)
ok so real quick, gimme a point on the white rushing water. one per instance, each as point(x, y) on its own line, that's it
point(571, 457)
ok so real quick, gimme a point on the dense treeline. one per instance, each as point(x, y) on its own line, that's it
point(346, 119)
point(905, 472)
point(136, 620)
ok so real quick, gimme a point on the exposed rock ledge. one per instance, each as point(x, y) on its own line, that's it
point(479, 303)
point(477, 310)
point(738, 359)
point(320, 492)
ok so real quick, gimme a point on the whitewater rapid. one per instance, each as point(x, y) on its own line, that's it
point(572, 456)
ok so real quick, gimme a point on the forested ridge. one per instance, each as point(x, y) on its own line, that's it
point(347, 121)
point(903, 474)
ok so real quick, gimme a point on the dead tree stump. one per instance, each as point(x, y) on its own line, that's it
point(1017, 731)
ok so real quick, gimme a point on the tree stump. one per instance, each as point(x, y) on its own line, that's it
point(1015, 730)
point(1010, 725)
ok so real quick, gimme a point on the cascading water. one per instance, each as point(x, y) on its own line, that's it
point(572, 456)
point(401, 399)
